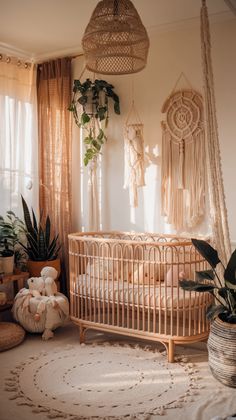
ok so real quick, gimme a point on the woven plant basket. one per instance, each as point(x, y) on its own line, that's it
point(222, 351)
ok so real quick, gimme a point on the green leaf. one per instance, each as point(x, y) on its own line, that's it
point(86, 160)
point(96, 145)
point(86, 85)
point(77, 86)
point(231, 318)
point(24, 247)
point(214, 310)
point(35, 222)
point(33, 244)
point(117, 108)
point(232, 298)
point(229, 274)
point(6, 229)
point(193, 286)
point(102, 112)
point(207, 252)
point(205, 275)
point(53, 243)
point(11, 213)
point(42, 247)
point(71, 107)
point(31, 248)
point(27, 217)
point(85, 118)
point(223, 292)
point(230, 285)
point(83, 100)
point(54, 253)
point(115, 98)
point(47, 231)
point(100, 134)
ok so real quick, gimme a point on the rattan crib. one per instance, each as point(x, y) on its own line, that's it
point(127, 283)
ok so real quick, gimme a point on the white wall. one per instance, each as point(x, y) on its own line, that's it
point(170, 54)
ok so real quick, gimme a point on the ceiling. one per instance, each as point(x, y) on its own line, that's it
point(41, 29)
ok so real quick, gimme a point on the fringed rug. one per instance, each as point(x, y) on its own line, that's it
point(102, 381)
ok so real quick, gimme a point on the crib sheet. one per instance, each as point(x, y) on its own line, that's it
point(158, 296)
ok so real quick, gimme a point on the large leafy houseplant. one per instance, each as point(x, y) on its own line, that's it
point(40, 246)
point(223, 290)
point(94, 97)
point(11, 231)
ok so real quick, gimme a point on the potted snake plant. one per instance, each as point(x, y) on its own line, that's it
point(222, 313)
point(41, 247)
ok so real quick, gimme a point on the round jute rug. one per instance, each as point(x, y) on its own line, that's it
point(102, 382)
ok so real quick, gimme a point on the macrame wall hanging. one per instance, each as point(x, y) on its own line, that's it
point(183, 168)
point(134, 155)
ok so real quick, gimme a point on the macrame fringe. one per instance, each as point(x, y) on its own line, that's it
point(183, 160)
point(134, 160)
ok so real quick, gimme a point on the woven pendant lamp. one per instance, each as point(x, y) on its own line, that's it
point(115, 40)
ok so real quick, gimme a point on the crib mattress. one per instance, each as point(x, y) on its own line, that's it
point(159, 296)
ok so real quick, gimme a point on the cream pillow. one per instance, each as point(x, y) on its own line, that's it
point(98, 269)
point(176, 273)
point(148, 273)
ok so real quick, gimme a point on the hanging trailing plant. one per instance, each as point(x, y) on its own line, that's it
point(93, 96)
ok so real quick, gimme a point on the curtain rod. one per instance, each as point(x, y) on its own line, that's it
point(14, 60)
point(27, 64)
point(58, 57)
point(77, 55)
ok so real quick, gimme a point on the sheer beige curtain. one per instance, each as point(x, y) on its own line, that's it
point(54, 96)
point(18, 135)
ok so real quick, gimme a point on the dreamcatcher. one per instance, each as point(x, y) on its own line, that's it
point(183, 157)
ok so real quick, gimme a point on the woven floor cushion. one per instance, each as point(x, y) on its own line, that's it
point(10, 335)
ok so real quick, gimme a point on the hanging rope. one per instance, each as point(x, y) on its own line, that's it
point(93, 204)
point(220, 230)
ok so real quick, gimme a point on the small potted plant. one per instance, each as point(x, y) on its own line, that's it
point(222, 313)
point(41, 248)
point(93, 97)
point(12, 230)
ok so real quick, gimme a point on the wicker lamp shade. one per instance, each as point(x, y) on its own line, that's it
point(115, 40)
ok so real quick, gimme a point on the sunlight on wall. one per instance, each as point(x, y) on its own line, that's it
point(81, 181)
point(170, 54)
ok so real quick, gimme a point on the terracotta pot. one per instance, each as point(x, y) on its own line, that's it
point(35, 267)
point(222, 349)
point(7, 264)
